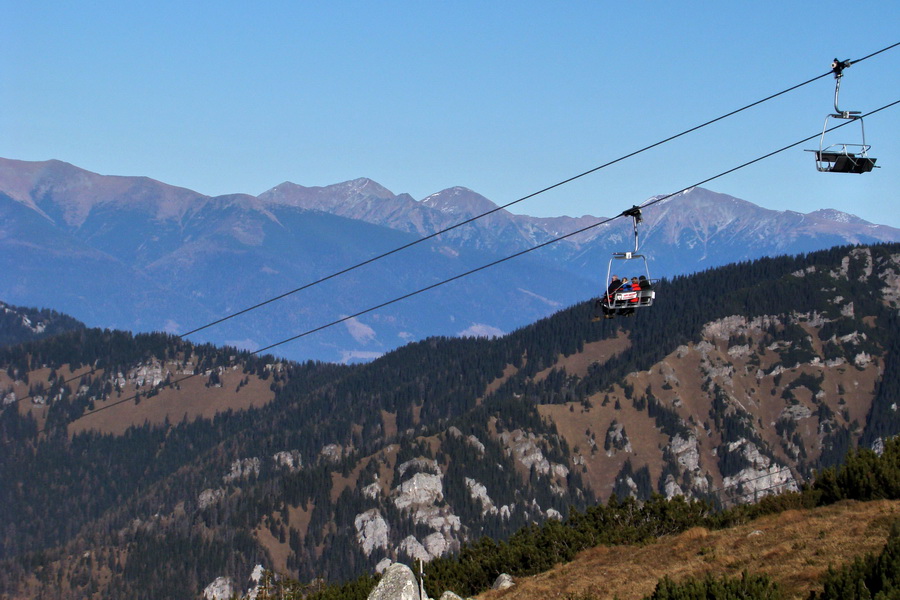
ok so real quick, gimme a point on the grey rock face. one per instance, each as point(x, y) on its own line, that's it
point(503, 582)
point(398, 583)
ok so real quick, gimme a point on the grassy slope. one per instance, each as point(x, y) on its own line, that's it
point(795, 548)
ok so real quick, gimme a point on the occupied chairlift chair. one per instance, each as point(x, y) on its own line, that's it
point(838, 158)
point(617, 300)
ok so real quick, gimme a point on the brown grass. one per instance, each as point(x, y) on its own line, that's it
point(794, 548)
point(194, 400)
point(594, 352)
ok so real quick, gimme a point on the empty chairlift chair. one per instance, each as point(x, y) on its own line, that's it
point(843, 157)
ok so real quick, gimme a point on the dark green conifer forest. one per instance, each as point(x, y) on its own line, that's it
point(131, 501)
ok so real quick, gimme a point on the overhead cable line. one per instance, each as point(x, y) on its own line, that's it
point(499, 208)
point(556, 239)
point(523, 198)
point(491, 264)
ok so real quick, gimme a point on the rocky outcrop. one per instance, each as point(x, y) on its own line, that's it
point(397, 583)
point(242, 468)
point(372, 531)
point(289, 459)
point(762, 476)
point(470, 440)
point(503, 582)
point(422, 489)
point(479, 493)
point(331, 454)
point(209, 497)
point(616, 440)
point(414, 549)
point(220, 589)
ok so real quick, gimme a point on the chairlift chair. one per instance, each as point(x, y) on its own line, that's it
point(843, 157)
point(618, 300)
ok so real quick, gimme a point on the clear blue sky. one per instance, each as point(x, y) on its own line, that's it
point(502, 97)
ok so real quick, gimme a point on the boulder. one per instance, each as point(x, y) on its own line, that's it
point(398, 583)
point(503, 582)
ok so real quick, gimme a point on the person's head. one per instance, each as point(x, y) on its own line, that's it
point(634, 280)
point(643, 279)
point(615, 278)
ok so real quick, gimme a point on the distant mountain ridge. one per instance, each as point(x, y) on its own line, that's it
point(137, 254)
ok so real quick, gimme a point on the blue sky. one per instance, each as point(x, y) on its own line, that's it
point(501, 97)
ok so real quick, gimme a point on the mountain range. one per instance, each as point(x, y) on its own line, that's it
point(140, 255)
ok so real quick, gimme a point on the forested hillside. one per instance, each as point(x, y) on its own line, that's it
point(19, 324)
point(144, 466)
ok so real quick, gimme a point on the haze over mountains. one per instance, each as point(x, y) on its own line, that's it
point(137, 254)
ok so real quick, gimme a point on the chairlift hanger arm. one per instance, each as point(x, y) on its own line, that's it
point(837, 67)
point(635, 213)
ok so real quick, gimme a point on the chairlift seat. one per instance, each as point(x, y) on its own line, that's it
point(843, 162)
point(631, 299)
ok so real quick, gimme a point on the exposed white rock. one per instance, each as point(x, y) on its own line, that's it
point(739, 351)
point(525, 450)
point(382, 565)
point(372, 531)
point(414, 549)
point(220, 589)
point(558, 470)
point(795, 412)
point(448, 595)
point(475, 443)
point(257, 574)
point(419, 464)
point(419, 490)
point(289, 459)
point(686, 451)
point(671, 487)
point(632, 486)
point(439, 518)
point(803, 272)
point(617, 440)
point(862, 359)
point(724, 328)
point(704, 348)
point(437, 545)
point(398, 583)
point(760, 478)
point(9, 398)
point(479, 492)
point(471, 440)
point(332, 453)
point(552, 513)
point(503, 582)
point(854, 337)
point(242, 468)
point(209, 497)
point(372, 491)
